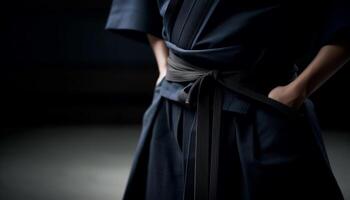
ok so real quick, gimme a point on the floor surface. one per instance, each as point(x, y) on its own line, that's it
point(92, 162)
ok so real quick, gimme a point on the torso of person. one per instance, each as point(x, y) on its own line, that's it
point(269, 35)
point(227, 34)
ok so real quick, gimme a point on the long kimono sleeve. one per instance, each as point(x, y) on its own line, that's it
point(134, 18)
point(336, 26)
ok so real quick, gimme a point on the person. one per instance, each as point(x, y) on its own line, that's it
point(231, 116)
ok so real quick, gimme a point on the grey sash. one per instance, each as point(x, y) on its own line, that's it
point(206, 94)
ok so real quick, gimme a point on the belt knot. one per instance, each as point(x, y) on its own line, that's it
point(214, 73)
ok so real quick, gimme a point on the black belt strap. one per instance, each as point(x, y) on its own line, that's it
point(206, 93)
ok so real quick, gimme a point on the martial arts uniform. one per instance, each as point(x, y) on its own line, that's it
point(211, 132)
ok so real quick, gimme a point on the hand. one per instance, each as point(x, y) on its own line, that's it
point(289, 95)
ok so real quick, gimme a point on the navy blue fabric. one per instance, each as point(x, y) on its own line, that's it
point(265, 154)
point(134, 18)
point(234, 34)
point(227, 33)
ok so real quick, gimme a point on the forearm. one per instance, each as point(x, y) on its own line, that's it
point(328, 61)
point(160, 52)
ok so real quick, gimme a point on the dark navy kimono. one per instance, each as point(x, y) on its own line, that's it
point(267, 151)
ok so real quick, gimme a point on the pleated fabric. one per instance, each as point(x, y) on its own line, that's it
point(264, 154)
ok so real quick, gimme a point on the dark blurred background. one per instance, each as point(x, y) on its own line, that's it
point(73, 96)
point(60, 66)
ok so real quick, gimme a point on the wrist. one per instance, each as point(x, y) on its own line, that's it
point(162, 67)
point(161, 72)
point(299, 87)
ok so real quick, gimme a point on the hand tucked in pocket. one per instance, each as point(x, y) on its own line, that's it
point(288, 95)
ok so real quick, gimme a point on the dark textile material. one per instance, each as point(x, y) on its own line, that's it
point(263, 153)
point(206, 94)
point(226, 33)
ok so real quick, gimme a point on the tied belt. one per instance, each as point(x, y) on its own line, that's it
point(206, 93)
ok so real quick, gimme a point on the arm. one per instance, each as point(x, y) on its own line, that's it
point(326, 63)
point(161, 53)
